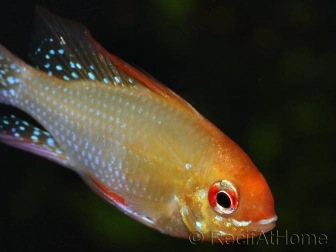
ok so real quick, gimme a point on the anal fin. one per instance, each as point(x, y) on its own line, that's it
point(20, 134)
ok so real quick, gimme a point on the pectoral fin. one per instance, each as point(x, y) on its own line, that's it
point(144, 210)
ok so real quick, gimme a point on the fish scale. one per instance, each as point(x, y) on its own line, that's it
point(123, 103)
point(133, 140)
point(112, 146)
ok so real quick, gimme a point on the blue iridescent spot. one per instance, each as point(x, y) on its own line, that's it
point(72, 65)
point(66, 77)
point(47, 65)
point(10, 79)
point(51, 40)
point(35, 138)
point(22, 128)
point(52, 51)
point(47, 56)
point(91, 66)
point(74, 75)
point(91, 75)
point(39, 49)
point(117, 79)
point(78, 66)
point(51, 142)
point(16, 134)
point(60, 51)
point(58, 67)
point(105, 80)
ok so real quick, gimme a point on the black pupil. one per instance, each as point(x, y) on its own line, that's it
point(223, 200)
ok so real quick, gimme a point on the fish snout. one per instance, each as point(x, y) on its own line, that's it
point(263, 226)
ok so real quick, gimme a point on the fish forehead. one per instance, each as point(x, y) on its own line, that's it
point(128, 139)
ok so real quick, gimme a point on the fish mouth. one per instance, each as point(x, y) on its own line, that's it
point(264, 226)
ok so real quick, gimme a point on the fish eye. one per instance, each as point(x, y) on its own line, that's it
point(223, 197)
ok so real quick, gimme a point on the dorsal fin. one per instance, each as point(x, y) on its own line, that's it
point(144, 78)
point(66, 49)
point(63, 49)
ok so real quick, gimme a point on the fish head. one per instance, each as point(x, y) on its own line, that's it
point(231, 200)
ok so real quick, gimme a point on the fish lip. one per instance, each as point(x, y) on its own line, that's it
point(267, 221)
point(265, 225)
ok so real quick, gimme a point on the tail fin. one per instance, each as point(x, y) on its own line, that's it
point(12, 71)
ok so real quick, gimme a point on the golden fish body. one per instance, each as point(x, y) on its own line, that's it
point(134, 141)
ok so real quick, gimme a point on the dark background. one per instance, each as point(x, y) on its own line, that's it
point(264, 72)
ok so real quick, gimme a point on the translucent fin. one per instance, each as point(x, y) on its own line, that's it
point(143, 210)
point(146, 207)
point(11, 70)
point(104, 192)
point(63, 49)
point(146, 80)
point(66, 49)
point(20, 134)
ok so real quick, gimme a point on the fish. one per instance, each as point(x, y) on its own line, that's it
point(134, 141)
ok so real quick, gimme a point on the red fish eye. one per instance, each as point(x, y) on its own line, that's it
point(223, 197)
